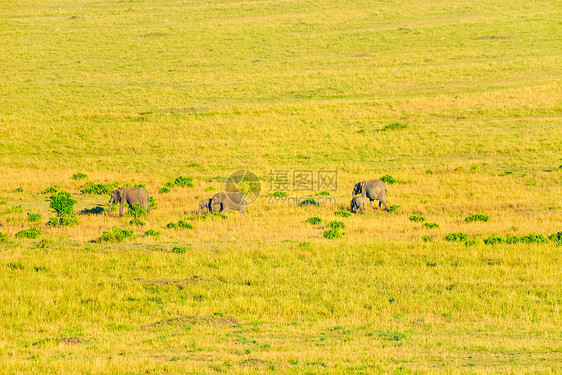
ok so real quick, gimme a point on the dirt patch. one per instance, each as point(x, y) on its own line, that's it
point(182, 282)
point(216, 320)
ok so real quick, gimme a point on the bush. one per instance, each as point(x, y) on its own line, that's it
point(417, 218)
point(29, 233)
point(393, 208)
point(430, 225)
point(470, 243)
point(212, 214)
point(394, 126)
point(152, 232)
point(137, 212)
point(93, 211)
point(52, 189)
point(33, 217)
point(79, 176)
point(179, 250)
point(476, 217)
point(63, 204)
point(184, 181)
point(556, 237)
point(57, 222)
point(4, 237)
point(427, 238)
point(389, 179)
point(98, 189)
point(534, 238)
point(512, 239)
point(458, 237)
point(115, 235)
point(332, 233)
point(152, 204)
point(336, 224)
point(314, 220)
point(172, 225)
point(492, 240)
point(164, 190)
point(44, 243)
point(323, 193)
point(278, 194)
point(210, 188)
point(309, 202)
point(19, 190)
point(342, 213)
point(184, 225)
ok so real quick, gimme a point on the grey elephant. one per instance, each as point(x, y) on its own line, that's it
point(358, 203)
point(372, 190)
point(131, 196)
point(205, 205)
point(222, 202)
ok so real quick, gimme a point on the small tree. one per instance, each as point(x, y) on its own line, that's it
point(137, 212)
point(63, 205)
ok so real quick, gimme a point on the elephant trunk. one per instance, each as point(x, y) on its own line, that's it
point(111, 201)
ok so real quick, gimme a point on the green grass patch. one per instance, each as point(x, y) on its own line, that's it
point(29, 233)
point(152, 233)
point(34, 217)
point(314, 220)
point(57, 222)
point(115, 235)
point(389, 179)
point(493, 240)
point(427, 238)
point(394, 126)
point(79, 176)
point(4, 237)
point(416, 218)
point(52, 189)
point(342, 213)
point(309, 202)
point(98, 189)
point(393, 208)
point(456, 237)
point(332, 234)
point(430, 225)
point(336, 224)
point(179, 249)
point(477, 217)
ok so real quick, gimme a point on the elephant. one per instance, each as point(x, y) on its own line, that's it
point(222, 202)
point(372, 190)
point(131, 196)
point(205, 204)
point(358, 203)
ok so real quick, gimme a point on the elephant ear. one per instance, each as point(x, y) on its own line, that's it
point(363, 188)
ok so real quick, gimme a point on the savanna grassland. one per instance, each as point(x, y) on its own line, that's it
point(461, 103)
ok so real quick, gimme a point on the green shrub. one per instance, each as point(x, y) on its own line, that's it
point(534, 238)
point(172, 225)
point(52, 189)
point(152, 232)
point(79, 176)
point(4, 237)
point(57, 222)
point(389, 179)
point(19, 190)
point(314, 220)
point(492, 240)
point(94, 211)
point(309, 202)
point(336, 224)
point(152, 204)
point(556, 237)
point(184, 181)
point(29, 233)
point(459, 237)
point(63, 204)
point(512, 239)
point(129, 184)
point(430, 225)
point(42, 244)
point(394, 126)
point(210, 188)
point(115, 235)
point(208, 215)
point(332, 233)
point(179, 250)
point(417, 218)
point(476, 217)
point(342, 213)
point(98, 189)
point(137, 212)
point(33, 217)
point(185, 225)
point(393, 208)
point(323, 193)
point(470, 242)
point(164, 190)
point(278, 194)
point(427, 238)
point(393, 335)
point(506, 172)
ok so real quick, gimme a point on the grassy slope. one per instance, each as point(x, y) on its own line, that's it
point(143, 92)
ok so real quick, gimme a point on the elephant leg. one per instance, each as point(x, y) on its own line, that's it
point(383, 203)
point(242, 210)
point(121, 209)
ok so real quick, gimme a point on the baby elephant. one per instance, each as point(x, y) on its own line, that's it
point(222, 202)
point(357, 203)
point(205, 205)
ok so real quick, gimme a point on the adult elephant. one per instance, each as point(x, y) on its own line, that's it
point(372, 190)
point(131, 196)
point(222, 202)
